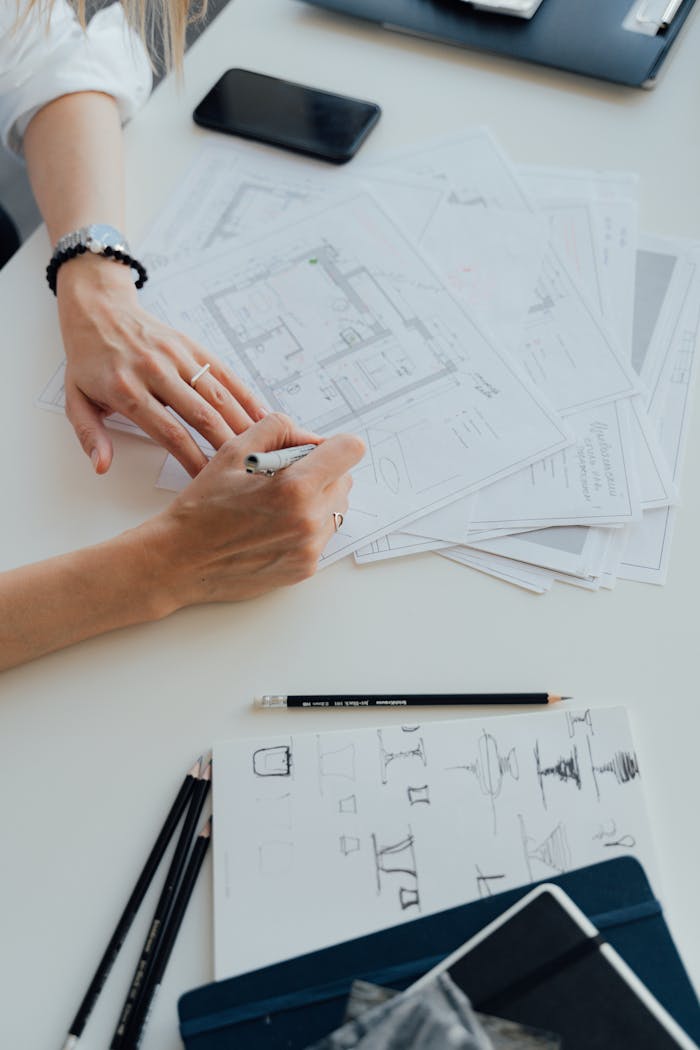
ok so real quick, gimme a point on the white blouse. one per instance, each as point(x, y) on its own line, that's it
point(40, 60)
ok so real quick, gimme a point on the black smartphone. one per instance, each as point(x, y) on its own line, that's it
point(281, 113)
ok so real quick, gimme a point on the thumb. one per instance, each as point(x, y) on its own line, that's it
point(273, 432)
point(88, 423)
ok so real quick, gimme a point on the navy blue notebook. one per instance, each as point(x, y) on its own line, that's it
point(581, 36)
point(290, 1005)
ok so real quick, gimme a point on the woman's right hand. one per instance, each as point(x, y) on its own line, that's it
point(231, 535)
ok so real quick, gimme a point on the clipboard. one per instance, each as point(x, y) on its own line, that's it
point(592, 38)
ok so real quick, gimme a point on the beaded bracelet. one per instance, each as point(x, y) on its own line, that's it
point(79, 249)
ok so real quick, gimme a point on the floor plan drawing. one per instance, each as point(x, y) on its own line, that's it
point(337, 320)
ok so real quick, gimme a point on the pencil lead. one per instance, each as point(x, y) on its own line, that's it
point(196, 768)
point(206, 772)
point(554, 698)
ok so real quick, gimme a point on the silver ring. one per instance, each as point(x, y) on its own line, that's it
point(338, 519)
point(198, 375)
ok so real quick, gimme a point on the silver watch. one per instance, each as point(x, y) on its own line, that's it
point(94, 238)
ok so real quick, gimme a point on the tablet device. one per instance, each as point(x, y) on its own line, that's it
point(543, 963)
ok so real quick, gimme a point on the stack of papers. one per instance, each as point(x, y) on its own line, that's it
point(517, 357)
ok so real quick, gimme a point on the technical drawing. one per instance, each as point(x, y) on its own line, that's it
point(483, 882)
point(347, 804)
point(275, 811)
point(565, 769)
point(417, 795)
point(552, 853)
point(275, 857)
point(386, 757)
point(574, 720)
point(349, 844)
point(490, 767)
point(623, 765)
point(251, 205)
point(273, 761)
point(334, 763)
point(398, 858)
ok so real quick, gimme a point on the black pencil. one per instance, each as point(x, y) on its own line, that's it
point(132, 906)
point(409, 700)
point(139, 1018)
point(199, 794)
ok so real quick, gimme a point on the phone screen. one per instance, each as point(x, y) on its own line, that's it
point(282, 113)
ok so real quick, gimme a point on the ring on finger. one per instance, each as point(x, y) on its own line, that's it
point(198, 375)
point(338, 519)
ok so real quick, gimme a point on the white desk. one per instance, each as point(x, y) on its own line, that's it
point(93, 741)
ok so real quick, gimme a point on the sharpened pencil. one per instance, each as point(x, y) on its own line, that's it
point(409, 700)
point(137, 1024)
point(172, 880)
point(132, 906)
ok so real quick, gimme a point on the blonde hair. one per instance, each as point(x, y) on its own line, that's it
point(161, 24)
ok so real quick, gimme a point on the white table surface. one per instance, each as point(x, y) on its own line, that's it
point(94, 740)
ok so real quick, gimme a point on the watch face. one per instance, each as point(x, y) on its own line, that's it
point(102, 236)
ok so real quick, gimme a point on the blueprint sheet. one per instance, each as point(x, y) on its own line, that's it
point(337, 320)
point(332, 835)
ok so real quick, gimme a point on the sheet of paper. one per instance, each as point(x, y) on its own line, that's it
point(592, 482)
point(409, 819)
point(235, 190)
point(666, 339)
point(573, 550)
point(491, 260)
point(397, 545)
point(594, 219)
point(567, 349)
point(338, 321)
point(527, 577)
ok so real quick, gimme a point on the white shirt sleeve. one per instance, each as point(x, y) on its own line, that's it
point(38, 64)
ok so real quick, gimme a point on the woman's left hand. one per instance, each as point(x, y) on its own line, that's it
point(119, 358)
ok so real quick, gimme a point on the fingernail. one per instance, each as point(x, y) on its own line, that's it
point(95, 457)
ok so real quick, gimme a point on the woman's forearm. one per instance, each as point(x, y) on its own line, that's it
point(73, 149)
point(66, 599)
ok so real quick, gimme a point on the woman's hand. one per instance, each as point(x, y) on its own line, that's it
point(231, 535)
point(121, 359)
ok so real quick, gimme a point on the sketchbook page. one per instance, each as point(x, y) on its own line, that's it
point(338, 321)
point(410, 819)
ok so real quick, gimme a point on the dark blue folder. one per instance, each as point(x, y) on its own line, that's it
point(291, 1004)
point(582, 36)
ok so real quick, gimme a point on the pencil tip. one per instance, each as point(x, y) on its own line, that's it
point(196, 767)
point(206, 772)
point(205, 833)
point(554, 698)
